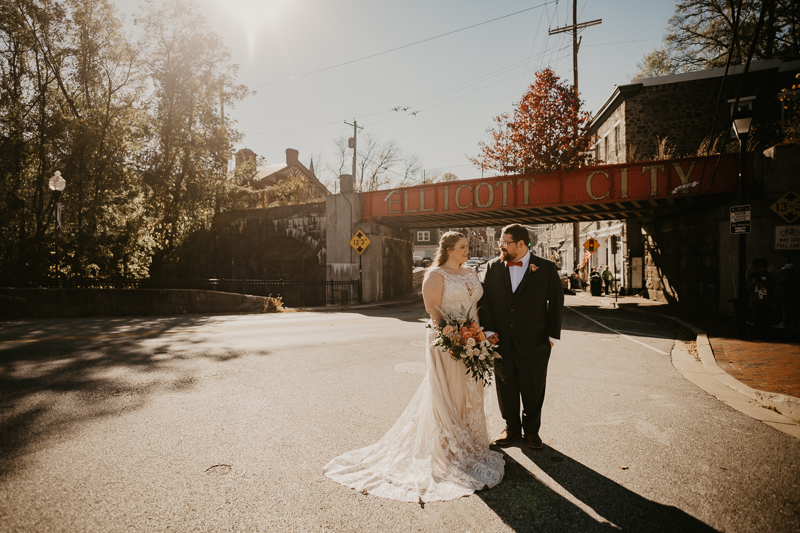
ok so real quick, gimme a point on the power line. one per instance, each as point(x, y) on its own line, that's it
point(434, 96)
point(400, 47)
point(622, 42)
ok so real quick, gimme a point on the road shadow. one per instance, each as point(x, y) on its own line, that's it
point(526, 504)
point(571, 322)
point(56, 375)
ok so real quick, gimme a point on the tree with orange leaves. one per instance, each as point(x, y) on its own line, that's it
point(549, 131)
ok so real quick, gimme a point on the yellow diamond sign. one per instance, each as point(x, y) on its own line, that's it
point(788, 207)
point(591, 245)
point(359, 242)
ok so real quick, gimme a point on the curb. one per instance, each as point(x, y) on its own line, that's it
point(359, 307)
point(779, 411)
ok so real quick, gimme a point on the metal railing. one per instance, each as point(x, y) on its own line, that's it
point(292, 293)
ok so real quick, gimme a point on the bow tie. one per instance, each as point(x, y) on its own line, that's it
point(514, 263)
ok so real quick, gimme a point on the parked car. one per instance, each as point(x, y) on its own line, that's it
point(473, 262)
point(420, 261)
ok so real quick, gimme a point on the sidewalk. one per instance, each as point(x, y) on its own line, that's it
point(772, 366)
point(763, 373)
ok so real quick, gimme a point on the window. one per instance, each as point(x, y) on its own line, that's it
point(423, 236)
point(617, 140)
point(605, 148)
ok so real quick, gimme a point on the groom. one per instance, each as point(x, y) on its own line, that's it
point(522, 302)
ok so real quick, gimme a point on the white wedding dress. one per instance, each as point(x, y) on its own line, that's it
point(439, 447)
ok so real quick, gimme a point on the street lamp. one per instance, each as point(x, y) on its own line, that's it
point(57, 185)
point(742, 119)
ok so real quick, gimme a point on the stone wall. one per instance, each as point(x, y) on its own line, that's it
point(684, 112)
point(253, 244)
point(690, 256)
point(30, 303)
point(416, 280)
point(607, 129)
point(398, 264)
point(681, 258)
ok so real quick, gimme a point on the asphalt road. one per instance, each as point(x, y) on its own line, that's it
point(223, 423)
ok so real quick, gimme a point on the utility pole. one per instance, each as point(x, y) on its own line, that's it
point(576, 44)
point(351, 143)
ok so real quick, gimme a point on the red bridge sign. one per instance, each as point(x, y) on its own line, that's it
point(590, 193)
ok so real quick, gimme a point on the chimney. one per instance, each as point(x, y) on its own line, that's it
point(291, 156)
point(244, 155)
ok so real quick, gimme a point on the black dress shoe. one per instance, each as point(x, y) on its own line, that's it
point(507, 437)
point(533, 441)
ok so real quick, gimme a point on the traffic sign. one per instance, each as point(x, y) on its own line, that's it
point(359, 242)
point(591, 245)
point(787, 237)
point(740, 219)
point(788, 207)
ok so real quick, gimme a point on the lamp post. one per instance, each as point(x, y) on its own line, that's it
point(742, 119)
point(57, 185)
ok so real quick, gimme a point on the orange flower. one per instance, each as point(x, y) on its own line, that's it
point(481, 337)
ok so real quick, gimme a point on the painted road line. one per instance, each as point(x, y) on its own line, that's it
point(643, 334)
point(627, 320)
point(618, 332)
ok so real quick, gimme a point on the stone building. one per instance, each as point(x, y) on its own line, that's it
point(682, 107)
point(262, 177)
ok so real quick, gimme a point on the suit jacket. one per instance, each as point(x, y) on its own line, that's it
point(528, 316)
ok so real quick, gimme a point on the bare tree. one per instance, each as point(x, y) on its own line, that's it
point(412, 167)
point(375, 161)
point(655, 63)
point(378, 163)
point(700, 35)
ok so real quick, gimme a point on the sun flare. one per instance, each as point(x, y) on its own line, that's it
point(254, 15)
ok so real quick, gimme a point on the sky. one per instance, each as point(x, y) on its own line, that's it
point(309, 66)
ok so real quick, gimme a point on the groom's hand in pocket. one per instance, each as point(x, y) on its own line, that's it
point(493, 338)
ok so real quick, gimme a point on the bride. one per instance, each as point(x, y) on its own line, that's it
point(439, 447)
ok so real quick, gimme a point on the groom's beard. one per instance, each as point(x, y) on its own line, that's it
point(506, 256)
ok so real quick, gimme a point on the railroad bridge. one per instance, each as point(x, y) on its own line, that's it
point(312, 240)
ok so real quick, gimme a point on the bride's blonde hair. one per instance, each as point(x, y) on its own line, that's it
point(447, 242)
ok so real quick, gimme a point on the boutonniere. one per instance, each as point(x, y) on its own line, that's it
point(534, 268)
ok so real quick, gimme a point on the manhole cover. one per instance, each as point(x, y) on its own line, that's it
point(218, 469)
point(411, 368)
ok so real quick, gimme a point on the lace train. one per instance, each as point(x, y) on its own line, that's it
point(439, 447)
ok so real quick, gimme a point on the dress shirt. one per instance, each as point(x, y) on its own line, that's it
point(516, 272)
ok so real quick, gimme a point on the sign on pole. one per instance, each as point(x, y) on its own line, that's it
point(637, 272)
point(787, 237)
point(740, 219)
point(788, 207)
point(359, 242)
point(591, 245)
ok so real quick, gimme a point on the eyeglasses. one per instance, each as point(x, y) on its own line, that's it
point(504, 244)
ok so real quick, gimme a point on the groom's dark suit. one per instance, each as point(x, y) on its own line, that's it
point(523, 320)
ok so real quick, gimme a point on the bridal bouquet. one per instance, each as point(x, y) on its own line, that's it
point(465, 341)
